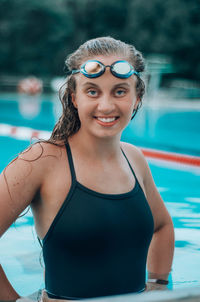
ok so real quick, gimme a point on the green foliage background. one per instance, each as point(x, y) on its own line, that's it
point(37, 35)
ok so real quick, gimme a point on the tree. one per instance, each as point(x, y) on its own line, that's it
point(168, 27)
point(36, 35)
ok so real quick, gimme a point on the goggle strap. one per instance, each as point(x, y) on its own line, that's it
point(136, 73)
point(72, 72)
point(75, 71)
point(68, 73)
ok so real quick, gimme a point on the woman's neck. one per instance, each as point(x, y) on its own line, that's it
point(94, 146)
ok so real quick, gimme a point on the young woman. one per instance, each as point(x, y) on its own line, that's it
point(95, 205)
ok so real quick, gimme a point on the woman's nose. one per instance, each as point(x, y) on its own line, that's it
point(106, 104)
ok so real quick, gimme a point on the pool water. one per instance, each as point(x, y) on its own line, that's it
point(164, 128)
point(169, 129)
point(178, 185)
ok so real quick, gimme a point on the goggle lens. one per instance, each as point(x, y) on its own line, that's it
point(93, 67)
point(122, 68)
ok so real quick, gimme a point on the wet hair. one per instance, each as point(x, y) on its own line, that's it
point(69, 122)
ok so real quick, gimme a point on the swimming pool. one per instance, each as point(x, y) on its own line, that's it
point(172, 126)
point(179, 186)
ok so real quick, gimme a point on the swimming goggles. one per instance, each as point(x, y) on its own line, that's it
point(94, 69)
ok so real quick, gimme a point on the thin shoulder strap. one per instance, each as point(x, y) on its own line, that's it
point(71, 163)
point(129, 164)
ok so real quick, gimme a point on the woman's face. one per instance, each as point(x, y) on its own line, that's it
point(105, 104)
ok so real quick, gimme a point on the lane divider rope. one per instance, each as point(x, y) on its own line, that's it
point(23, 133)
point(172, 157)
point(26, 133)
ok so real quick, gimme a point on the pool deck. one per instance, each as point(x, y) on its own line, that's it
point(177, 295)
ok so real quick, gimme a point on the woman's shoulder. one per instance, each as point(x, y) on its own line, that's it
point(136, 157)
point(42, 151)
point(36, 159)
point(132, 151)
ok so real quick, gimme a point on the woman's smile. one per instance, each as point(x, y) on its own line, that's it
point(107, 121)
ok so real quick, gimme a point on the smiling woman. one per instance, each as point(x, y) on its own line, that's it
point(107, 100)
point(96, 208)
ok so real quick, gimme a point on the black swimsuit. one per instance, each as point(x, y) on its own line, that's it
point(97, 244)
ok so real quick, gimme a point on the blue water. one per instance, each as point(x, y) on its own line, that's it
point(165, 129)
point(178, 185)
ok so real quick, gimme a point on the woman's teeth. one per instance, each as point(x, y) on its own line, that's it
point(107, 119)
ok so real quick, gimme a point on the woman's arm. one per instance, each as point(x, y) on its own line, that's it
point(7, 291)
point(161, 250)
point(19, 183)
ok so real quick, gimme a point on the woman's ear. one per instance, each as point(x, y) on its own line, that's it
point(137, 103)
point(73, 98)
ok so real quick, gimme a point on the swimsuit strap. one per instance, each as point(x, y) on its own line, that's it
point(71, 163)
point(129, 164)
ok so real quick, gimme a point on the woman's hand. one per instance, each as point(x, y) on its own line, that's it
point(155, 286)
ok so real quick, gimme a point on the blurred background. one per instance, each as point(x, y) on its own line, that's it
point(36, 37)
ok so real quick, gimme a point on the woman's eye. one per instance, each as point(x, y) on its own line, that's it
point(120, 92)
point(92, 92)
